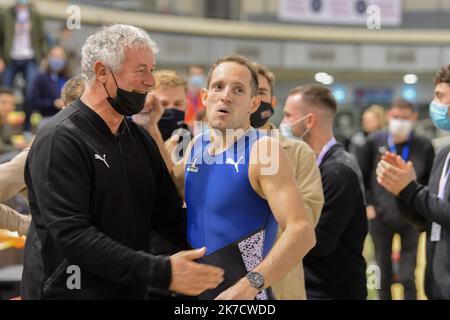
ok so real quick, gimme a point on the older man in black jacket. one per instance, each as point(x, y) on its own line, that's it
point(98, 187)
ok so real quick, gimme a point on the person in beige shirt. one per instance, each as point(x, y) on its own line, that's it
point(307, 175)
point(12, 183)
point(12, 173)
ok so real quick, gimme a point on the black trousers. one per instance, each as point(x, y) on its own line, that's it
point(382, 236)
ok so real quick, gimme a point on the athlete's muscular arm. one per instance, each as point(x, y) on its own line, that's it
point(272, 177)
point(178, 175)
point(179, 168)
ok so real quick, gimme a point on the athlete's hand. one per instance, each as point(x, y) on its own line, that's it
point(192, 278)
point(154, 108)
point(170, 145)
point(240, 291)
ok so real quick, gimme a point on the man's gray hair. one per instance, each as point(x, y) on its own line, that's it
point(108, 46)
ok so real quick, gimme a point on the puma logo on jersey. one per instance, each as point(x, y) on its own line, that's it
point(103, 159)
point(235, 164)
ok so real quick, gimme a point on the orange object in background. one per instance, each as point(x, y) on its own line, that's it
point(16, 118)
point(10, 239)
point(194, 105)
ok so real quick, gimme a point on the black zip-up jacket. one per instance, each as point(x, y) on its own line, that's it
point(95, 198)
point(421, 154)
point(335, 268)
point(424, 207)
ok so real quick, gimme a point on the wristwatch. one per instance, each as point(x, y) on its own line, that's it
point(256, 280)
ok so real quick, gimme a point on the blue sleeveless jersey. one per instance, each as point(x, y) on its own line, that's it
point(225, 214)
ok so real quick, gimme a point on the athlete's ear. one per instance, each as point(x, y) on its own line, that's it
point(204, 96)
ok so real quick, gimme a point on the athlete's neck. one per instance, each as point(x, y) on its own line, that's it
point(222, 140)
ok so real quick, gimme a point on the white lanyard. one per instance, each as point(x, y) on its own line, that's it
point(324, 150)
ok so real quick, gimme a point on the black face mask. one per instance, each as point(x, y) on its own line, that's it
point(260, 116)
point(171, 120)
point(126, 103)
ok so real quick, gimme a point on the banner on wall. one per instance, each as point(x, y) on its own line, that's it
point(348, 12)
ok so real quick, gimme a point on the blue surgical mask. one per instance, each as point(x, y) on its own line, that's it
point(286, 129)
point(439, 115)
point(56, 64)
point(197, 81)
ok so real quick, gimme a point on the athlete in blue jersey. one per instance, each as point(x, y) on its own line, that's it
point(239, 186)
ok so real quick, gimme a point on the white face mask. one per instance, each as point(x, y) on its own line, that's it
point(400, 128)
point(286, 129)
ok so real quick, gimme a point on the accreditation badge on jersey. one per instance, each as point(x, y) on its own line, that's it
point(192, 167)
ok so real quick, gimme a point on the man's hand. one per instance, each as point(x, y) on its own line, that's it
point(240, 291)
point(150, 114)
point(2, 65)
point(370, 212)
point(192, 278)
point(24, 224)
point(394, 174)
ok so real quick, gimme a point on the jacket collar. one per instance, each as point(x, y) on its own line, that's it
point(330, 152)
point(92, 116)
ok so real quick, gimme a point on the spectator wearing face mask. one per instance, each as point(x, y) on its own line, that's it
point(170, 91)
point(427, 206)
point(196, 82)
point(335, 268)
point(46, 89)
point(382, 210)
point(22, 46)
